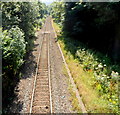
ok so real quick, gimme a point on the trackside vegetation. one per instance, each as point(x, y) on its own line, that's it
point(95, 24)
point(20, 20)
point(95, 74)
point(95, 78)
point(95, 27)
point(89, 36)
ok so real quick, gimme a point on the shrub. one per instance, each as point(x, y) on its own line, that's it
point(13, 49)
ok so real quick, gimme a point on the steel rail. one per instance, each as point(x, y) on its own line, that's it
point(38, 61)
point(50, 88)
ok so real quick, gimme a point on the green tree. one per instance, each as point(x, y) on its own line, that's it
point(19, 23)
point(57, 11)
point(95, 24)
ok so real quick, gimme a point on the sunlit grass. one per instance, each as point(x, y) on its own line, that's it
point(57, 28)
point(94, 76)
point(83, 81)
point(73, 99)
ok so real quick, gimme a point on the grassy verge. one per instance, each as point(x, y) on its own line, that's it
point(73, 99)
point(96, 77)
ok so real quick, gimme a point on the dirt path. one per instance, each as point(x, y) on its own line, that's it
point(59, 82)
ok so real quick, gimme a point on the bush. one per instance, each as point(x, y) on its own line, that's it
point(25, 15)
point(13, 49)
point(19, 23)
point(105, 74)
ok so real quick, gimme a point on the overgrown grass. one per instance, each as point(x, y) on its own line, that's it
point(95, 75)
point(73, 99)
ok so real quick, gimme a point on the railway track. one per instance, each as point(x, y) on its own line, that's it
point(41, 101)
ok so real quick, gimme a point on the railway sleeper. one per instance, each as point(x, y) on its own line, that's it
point(42, 87)
point(41, 98)
point(42, 90)
point(41, 93)
point(43, 78)
point(41, 103)
point(41, 109)
point(43, 74)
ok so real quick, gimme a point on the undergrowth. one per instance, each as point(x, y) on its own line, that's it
point(95, 75)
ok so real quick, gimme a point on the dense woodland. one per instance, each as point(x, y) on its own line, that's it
point(94, 25)
point(97, 23)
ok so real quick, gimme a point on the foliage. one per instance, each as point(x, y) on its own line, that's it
point(57, 11)
point(105, 73)
point(19, 20)
point(103, 76)
point(13, 51)
point(94, 74)
point(94, 24)
point(43, 10)
point(26, 15)
point(13, 48)
point(19, 23)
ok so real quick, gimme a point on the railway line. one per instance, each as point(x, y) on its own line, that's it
point(41, 95)
point(50, 93)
